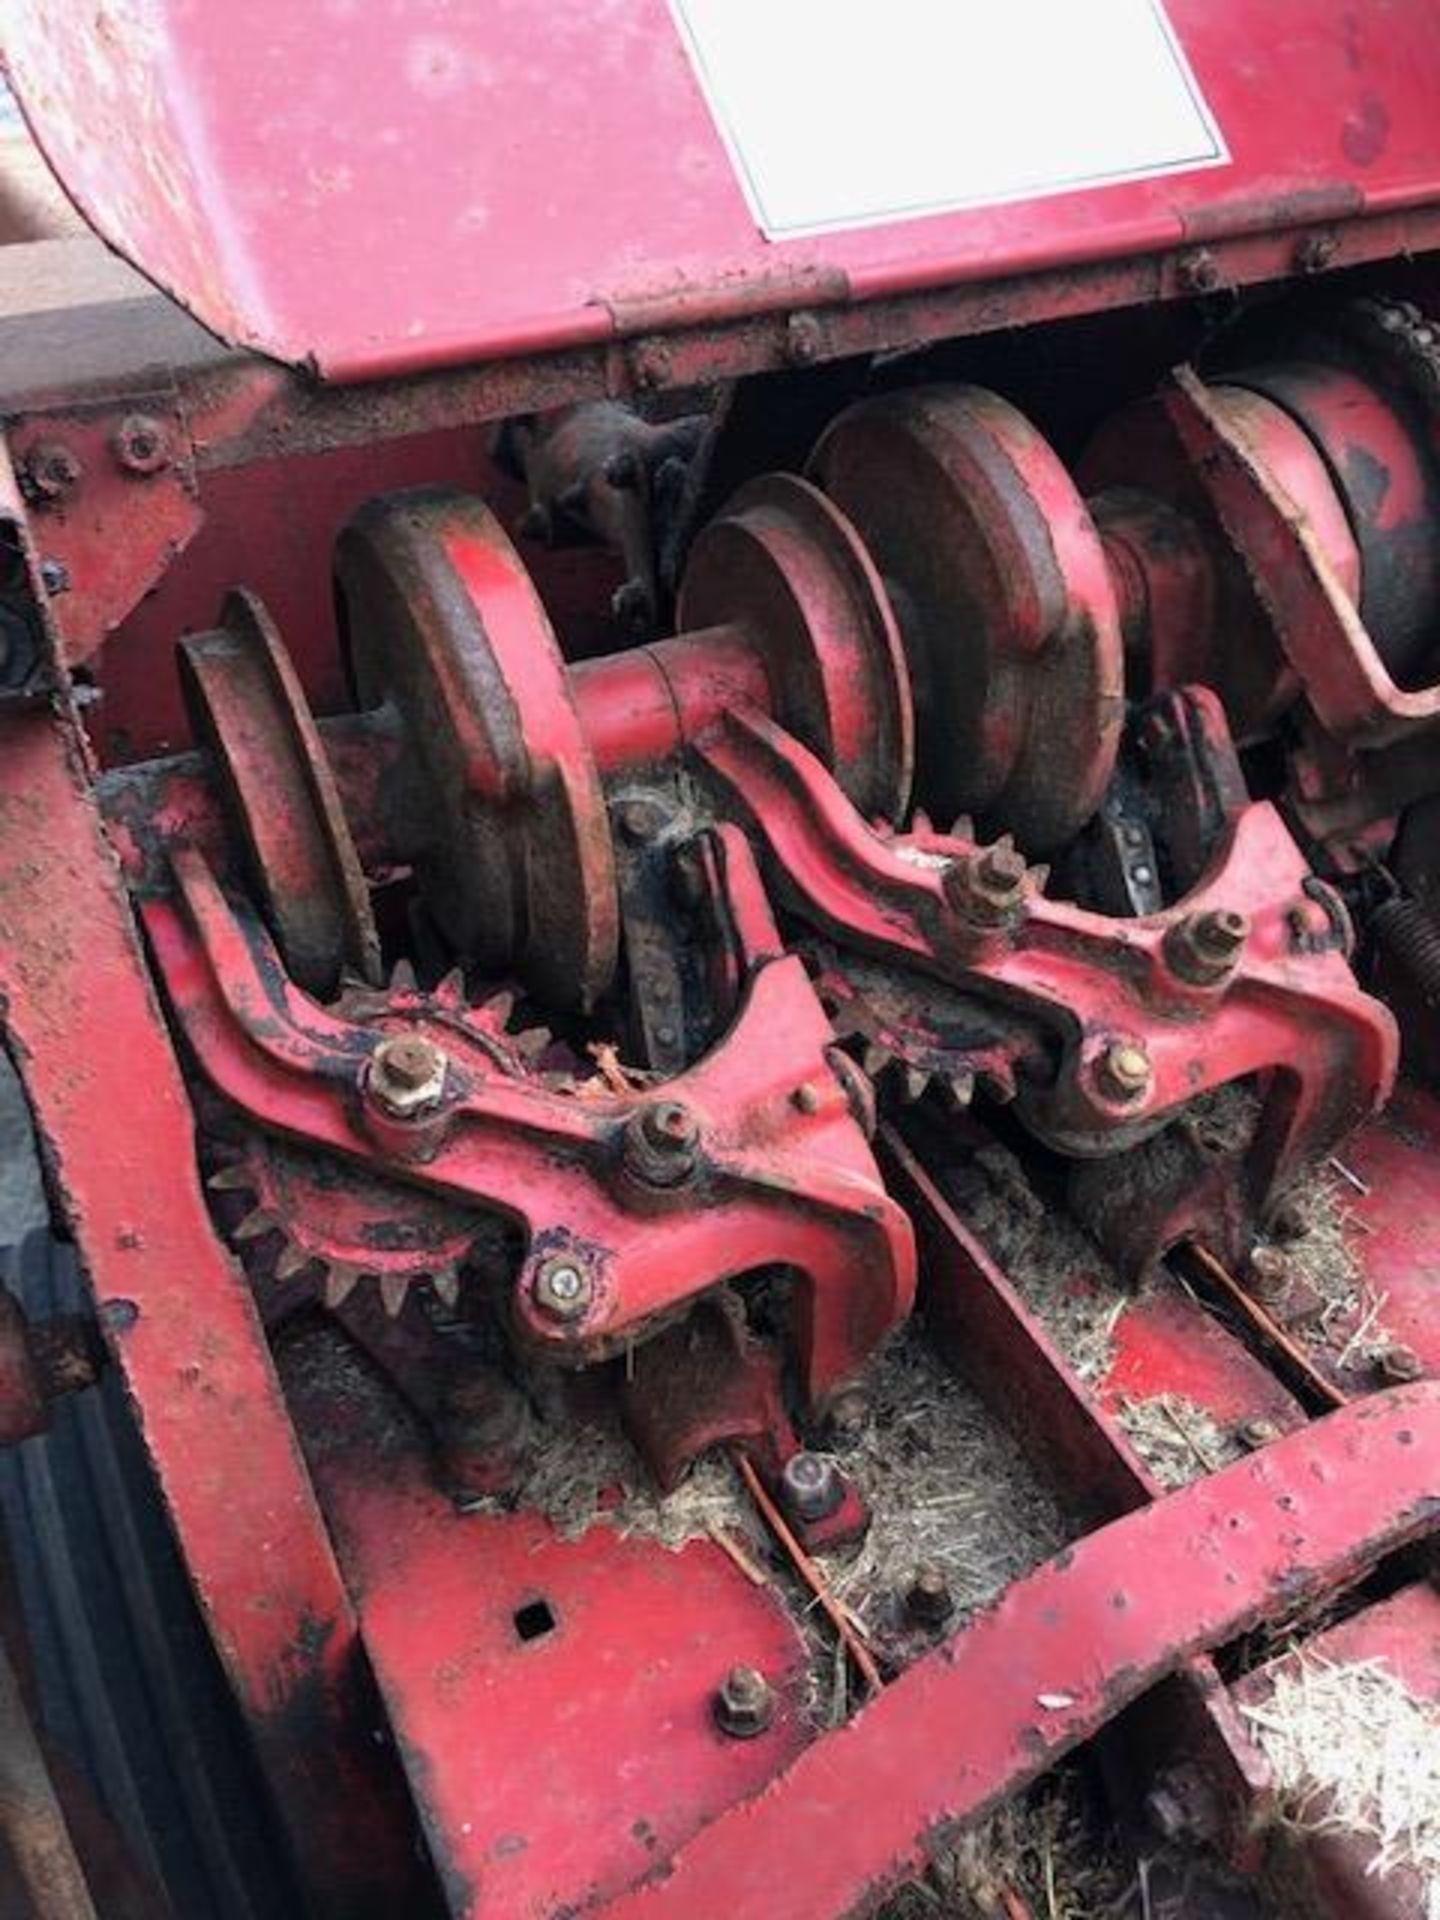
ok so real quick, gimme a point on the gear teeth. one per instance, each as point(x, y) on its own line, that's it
point(353, 982)
point(920, 822)
point(500, 1006)
point(962, 827)
point(402, 978)
point(234, 1179)
point(1039, 878)
point(913, 1082)
point(254, 1225)
point(960, 1090)
point(1005, 844)
point(447, 1286)
point(340, 1283)
point(450, 993)
point(393, 1288)
point(532, 1042)
point(291, 1260)
point(999, 1084)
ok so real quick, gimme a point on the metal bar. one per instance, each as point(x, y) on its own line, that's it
point(117, 1131)
point(1061, 1654)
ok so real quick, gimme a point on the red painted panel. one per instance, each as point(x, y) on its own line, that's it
point(407, 183)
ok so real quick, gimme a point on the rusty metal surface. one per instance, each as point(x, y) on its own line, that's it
point(119, 1137)
point(641, 222)
point(1064, 1651)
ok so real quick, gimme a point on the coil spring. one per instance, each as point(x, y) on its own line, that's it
point(1409, 934)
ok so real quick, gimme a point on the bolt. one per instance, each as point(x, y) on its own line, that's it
point(1315, 252)
point(141, 444)
point(810, 1486)
point(1400, 1363)
point(51, 469)
point(1205, 948)
point(806, 1098)
point(642, 819)
point(407, 1075)
point(1199, 272)
point(561, 1288)
point(1268, 1272)
point(650, 364)
point(1257, 1433)
point(1123, 1070)
point(928, 1599)
point(803, 339)
point(848, 1413)
point(662, 1143)
point(987, 888)
point(744, 1703)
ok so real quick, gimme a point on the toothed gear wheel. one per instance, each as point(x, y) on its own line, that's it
point(915, 1034)
point(342, 1224)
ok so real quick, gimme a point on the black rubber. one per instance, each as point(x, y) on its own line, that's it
point(129, 1685)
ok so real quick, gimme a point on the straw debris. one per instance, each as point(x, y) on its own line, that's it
point(1053, 1264)
point(1038, 1849)
point(1177, 1438)
point(946, 1486)
point(1354, 1751)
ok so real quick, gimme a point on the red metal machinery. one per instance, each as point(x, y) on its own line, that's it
point(921, 857)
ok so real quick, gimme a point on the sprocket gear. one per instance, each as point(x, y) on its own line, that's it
point(348, 1224)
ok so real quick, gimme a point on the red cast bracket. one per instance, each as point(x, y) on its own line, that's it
point(1138, 1032)
point(750, 1159)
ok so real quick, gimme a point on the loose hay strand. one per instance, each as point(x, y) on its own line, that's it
point(1353, 1751)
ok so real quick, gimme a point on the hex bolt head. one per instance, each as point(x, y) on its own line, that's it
point(662, 1143)
point(51, 469)
point(141, 444)
point(406, 1075)
point(848, 1413)
point(928, 1599)
point(987, 888)
point(561, 1288)
point(1205, 948)
point(1257, 1433)
point(1268, 1272)
point(744, 1703)
point(811, 1487)
point(1400, 1363)
point(1123, 1071)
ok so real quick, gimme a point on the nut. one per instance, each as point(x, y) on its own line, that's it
point(803, 339)
point(141, 443)
point(1205, 948)
point(928, 1599)
point(848, 1413)
point(407, 1075)
point(1400, 1363)
point(987, 888)
point(1123, 1070)
point(1257, 1433)
point(1199, 272)
point(562, 1288)
point(642, 818)
point(811, 1487)
point(744, 1703)
point(51, 469)
point(1269, 1273)
point(662, 1143)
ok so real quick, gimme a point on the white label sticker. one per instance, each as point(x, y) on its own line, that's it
point(847, 113)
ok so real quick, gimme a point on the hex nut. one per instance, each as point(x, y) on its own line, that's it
point(562, 1288)
point(141, 444)
point(986, 889)
point(662, 1143)
point(1400, 1363)
point(928, 1599)
point(1205, 948)
point(811, 1487)
point(744, 1703)
point(1123, 1071)
point(51, 469)
point(406, 1075)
